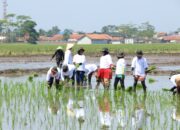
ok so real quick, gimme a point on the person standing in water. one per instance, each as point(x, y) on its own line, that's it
point(120, 71)
point(105, 72)
point(139, 68)
point(59, 54)
point(68, 59)
point(79, 61)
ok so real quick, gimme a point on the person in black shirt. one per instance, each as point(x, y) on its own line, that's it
point(59, 54)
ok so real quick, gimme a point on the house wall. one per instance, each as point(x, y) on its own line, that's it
point(100, 41)
point(129, 41)
point(84, 40)
point(116, 42)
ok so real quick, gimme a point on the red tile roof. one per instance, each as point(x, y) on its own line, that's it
point(76, 36)
point(173, 37)
point(99, 36)
point(117, 38)
point(56, 37)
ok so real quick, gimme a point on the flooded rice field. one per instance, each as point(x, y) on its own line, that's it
point(27, 104)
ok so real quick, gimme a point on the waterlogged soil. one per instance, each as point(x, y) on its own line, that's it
point(165, 63)
point(29, 105)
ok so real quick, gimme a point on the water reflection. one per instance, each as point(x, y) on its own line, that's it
point(53, 104)
point(105, 110)
point(176, 110)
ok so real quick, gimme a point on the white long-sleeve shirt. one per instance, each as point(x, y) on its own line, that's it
point(139, 66)
point(80, 59)
point(89, 68)
point(56, 76)
point(69, 73)
point(68, 59)
point(105, 62)
point(121, 66)
point(173, 79)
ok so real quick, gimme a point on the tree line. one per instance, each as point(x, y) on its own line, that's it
point(21, 26)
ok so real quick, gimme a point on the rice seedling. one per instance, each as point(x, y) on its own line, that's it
point(151, 80)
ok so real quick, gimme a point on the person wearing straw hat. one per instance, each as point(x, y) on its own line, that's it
point(139, 68)
point(120, 71)
point(59, 54)
point(175, 79)
point(68, 59)
point(79, 61)
point(105, 72)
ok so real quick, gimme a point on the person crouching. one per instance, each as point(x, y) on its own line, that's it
point(175, 79)
point(139, 67)
point(120, 71)
point(53, 73)
point(105, 72)
point(90, 70)
point(68, 73)
point(79, 61)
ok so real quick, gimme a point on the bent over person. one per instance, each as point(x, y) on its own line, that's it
point(175, 79)
point(53, 74)
point(59, 54)
point(105, 72)
point(139, 67)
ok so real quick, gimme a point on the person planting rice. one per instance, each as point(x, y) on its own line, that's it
point(90, 69)
point(175, 79)
point(105, 72)
point(59, 54)
point(120, 71)
point(139, 67)
point(68, 73)
point(79, 61)
point(53, 73)
point(68, 59)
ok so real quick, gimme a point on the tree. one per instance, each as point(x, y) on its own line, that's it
point(28, 30)
point(66, 34)
point(42, 32)
point(53, 31)
point(109, 29)
point(146, 30)
point(128, 30)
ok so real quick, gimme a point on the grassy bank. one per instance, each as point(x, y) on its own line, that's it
point(46, 49)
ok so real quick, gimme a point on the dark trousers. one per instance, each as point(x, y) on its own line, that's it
point(89, 78)
point(117, 80)
point(80, 77)
point(50, 82)
point(59, 63)
point(142, 82)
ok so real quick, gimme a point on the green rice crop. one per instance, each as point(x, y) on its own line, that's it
point(95, 49)
point(31, 105)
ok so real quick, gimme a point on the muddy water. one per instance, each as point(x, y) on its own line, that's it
point(160, 81)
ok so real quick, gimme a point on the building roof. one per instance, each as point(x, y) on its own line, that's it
point(99, 36)
point(172, 37)
point(76, 36)
point(56, 37)
point(117, 38)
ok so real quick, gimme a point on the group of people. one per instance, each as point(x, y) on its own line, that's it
point(74, 68)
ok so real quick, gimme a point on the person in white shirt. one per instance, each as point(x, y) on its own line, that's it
point(139, 67)
point(68, 59)
point(105, 72)
point(175, 79)
point(53, 73)
point(90, 70)
point(68, 73)
point(79, 61)
point(120, 71)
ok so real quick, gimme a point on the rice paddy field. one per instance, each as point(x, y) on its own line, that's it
point(27, 104)
point(46, 49)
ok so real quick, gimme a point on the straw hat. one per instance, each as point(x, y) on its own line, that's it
point(69, 46)
point(59, 48)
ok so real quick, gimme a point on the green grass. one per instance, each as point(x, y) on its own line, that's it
point(47, 49)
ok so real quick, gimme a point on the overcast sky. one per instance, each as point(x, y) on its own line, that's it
point(91, 15)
